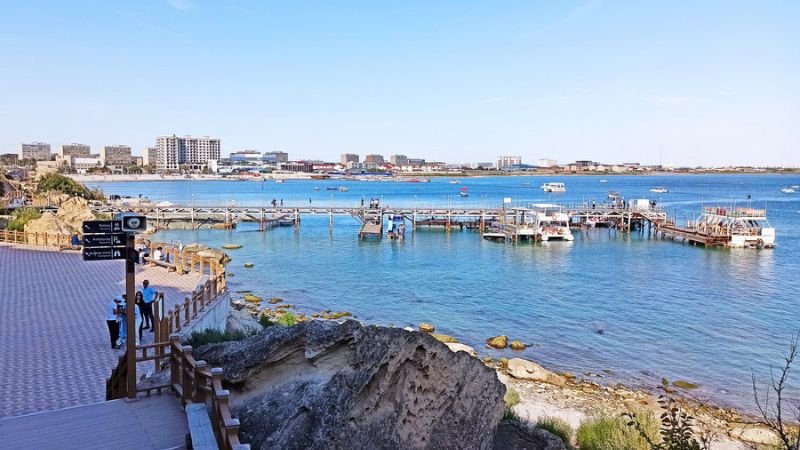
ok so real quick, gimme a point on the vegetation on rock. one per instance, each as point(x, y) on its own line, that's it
point(56, 182)
point(558, 427)
point(213, 336)
point(607, 432)
point(21, 216)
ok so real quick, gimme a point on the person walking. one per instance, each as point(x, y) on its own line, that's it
point(139, 301)
point(149, 295)
point(112, 317)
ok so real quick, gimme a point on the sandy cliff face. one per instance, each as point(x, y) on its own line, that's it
point(327, 385)
point(66, 221)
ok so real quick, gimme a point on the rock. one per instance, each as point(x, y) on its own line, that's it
point(517, 345)
point(231, 246)
point(321, 385)
point(755, 434)
point(250, 298)
point(212, 253)
point(248, 265)
point(518, 436)
point(336, 315)
point(683, 384)
point(487, 360)
point(504, 363)
point(426, 327)
point(568, 375)
point(529, 370)
point(241, 321)
point(497, 341)
point(456, 347)
point(444, 338)
point(274, 300)
point(72, 212)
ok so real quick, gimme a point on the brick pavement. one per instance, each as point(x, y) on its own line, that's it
point(54, 346)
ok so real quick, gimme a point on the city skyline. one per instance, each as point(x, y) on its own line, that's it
point(710, 84)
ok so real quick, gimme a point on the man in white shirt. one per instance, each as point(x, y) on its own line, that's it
point(149, 295)
point(158, 255)
point(112, 313)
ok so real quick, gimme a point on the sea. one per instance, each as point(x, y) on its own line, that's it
point(629, 308)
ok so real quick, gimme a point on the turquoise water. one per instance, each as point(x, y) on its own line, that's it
point(640, 307)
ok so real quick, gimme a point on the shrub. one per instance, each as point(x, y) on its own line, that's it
point(558, 427)
point(511, 398)
point(21, 216)
point(607, 432)
point(56, 182)
point(510, 414)
point(212, 336)
point(265, 321)
point(287, 319)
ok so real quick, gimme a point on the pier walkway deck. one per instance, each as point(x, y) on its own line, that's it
point(149, 423)
point(54, 346)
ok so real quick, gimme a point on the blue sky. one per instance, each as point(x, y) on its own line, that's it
point(689, 83)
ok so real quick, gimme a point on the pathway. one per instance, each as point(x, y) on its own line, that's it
point(54, 344)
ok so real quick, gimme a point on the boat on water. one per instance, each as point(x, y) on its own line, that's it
point(494, 236)
point(552, 223)
point(734, 227)
point(795, 186)
point(464, 192)
point(331, 188)
point(614, 195)
point(397, 228)
point(316, 188)
point(659, 190)
point(554, 187)
point(455, 182)
point(343, 188)
point(280, 180)
point(604, 181)
point(788, 190)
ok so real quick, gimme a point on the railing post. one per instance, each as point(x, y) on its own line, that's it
point(185, 310)
point(175, 359)
point(216, 420)
point(194, 307)
point(157, 334)
point(186, 375)
point(200, 382)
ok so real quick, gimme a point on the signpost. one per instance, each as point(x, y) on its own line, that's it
point(105, 240)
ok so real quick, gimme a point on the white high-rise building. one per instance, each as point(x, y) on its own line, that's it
point(546, 162)
point(173, 152)
point(508, 161)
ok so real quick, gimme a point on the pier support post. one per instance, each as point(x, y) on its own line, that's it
point(330, 219)
point(297, 218)
point(414, 221)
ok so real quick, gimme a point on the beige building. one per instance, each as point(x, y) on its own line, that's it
point(399, 160)
point(150, 156)
point(39, 151)
point(83, 164)
point(190, 153)
point(506, 161)
point(75, 150)
point(349, 158)
point(117, 157)
point(377, 159)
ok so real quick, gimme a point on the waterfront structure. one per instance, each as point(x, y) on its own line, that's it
point(298, 166)
point(75, 150)
point(277, 157)
point(349, 158)
point(137, 160)
point(484, 165)
point(150, 156)
point(188, 153)
point(416, 162)
point(545, 162)
point(506, 162)
point(83, 164)
point(373, 158)
point(116, 157)
point(399, 160)
point(246, 157)
point(39, 151)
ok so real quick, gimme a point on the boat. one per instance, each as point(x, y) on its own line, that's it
point(397, 228)
point(659, 190)
point(455, 182)
point(316, 188)
point(788, 190)
point(331, 188)
point(604, 181)
point(492, 236)
point(734, 227)
point(464, 192)
point(552, 224)
point(614, 195)
point(795, 186)
point(554, 187)
point(280, 181)
point(343, 188)
point(285, 222)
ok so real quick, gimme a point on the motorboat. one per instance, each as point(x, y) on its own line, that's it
point(464, 192)
point(554, 187)
point(744, 227)
point(604, 181)
point(331, 188)
point(343, 188)
point(316, 188)
point(280, 180)
point(788, 190)
point(552, 223)
point(493, 236)
point(659, 190)
point(455, 182)
point(614, 195)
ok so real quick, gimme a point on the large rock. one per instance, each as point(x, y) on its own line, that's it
point(241, 321)
point(524, 436)
point(456, 347)
point(322, 385)
point(71, 214)
point(529, 370)
point(74, 211)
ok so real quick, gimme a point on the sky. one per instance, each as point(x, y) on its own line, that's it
point(680, 82)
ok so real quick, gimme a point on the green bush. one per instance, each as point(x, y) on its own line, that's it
point(511, 398)
point(510, 414)
point(265, 321)
point(287, 319)
point(56, 182)
point(558, 427)
point(21, 216)
point(212, 336)
point(613, 433)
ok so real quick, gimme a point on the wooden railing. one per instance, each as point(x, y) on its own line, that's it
point(35, 239)
point(193, 382)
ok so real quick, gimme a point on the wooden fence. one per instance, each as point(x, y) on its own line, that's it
point(193, 382)
point(36, 239)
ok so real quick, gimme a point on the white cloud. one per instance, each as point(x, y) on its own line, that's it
point(181, 5)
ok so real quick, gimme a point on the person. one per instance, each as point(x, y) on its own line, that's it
point(122, 321)
point(158, 255)
point(274, 203)
point(75, 241)
point(281, 202)
point(112, 316)
point(139, 301)
point(362, 202)
point(149, 295)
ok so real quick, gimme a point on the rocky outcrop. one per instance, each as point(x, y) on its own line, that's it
point(523, 436)
point(323, 384)
point(497, 342)
point(71, 214)
point(456, 347)
point(242, 321)
point(529, 370)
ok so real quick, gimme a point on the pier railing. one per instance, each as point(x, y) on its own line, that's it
point(193, 382)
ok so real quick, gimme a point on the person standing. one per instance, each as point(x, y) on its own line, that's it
point(139, 301)
point(149, 295)
point(112, 313)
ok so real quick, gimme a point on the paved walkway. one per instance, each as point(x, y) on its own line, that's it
point(54, 346)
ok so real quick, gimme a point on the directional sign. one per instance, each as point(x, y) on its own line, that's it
point(104, 240)
point(101, 254)
point(102, 226)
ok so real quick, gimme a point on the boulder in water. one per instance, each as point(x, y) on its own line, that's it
point(324, 385)
point(528, 370)
point(497, 342)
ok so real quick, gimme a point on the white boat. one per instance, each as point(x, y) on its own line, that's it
point(492, 236)
point(554, 187)
point(614, 195)
point(455, 182)
point(280, 181)
point(343, 188)
point(795, 186)
point(552, 224)
point(744, 227)
point(464, 192)
point(659, 190)
point(604, 181)
point(788, 190)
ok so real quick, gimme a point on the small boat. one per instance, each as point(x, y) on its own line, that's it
point(455, 182)
point(331, 188)
point(494, 236)
point(280, 181)
point(788, 190)
point(795, 186)
point(343, 188)
point(464, 192)
point(554, 187)
point(604, 181)
point(316, 188)
point(659, 190)
point(285, 222)
point(614, 195)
